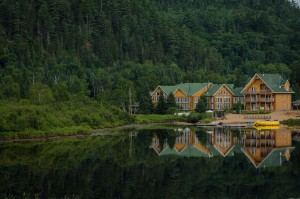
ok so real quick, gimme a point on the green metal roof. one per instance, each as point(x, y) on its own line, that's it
point(192, 151)
point(275, 82)
point(168, 151)
point(214, 151)
point(237, 91)
point(215, 87)
point(296, 102)
point(275, 158)
point(188, 88)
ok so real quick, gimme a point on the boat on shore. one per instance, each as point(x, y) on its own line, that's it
point(266, 123)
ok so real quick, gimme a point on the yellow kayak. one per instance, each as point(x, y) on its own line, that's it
point(266, 123)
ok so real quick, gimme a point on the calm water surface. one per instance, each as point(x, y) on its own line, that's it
point(161, 162)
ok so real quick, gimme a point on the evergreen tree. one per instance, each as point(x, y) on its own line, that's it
point(146, 105)
point(161, 107)
point(171, 101)
point(201, 105)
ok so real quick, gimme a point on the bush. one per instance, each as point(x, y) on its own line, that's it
point(172, 110)
point(194, 117)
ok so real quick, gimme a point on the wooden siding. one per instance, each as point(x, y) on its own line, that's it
point(283, 101)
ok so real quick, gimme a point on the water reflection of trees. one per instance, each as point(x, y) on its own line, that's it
point(263, 147)
point(102, 167)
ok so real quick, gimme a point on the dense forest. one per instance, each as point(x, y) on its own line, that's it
point(57, 50)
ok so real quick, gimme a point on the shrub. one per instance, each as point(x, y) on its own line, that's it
point(194, 117)
point(172, 110)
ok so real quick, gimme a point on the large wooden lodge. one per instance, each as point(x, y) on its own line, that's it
point(262, 92)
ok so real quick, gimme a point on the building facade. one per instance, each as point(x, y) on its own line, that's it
point(262, 92)
point(267, 92)
point(186, 94)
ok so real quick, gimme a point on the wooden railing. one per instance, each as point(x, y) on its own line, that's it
point(261, 92)
point(259, 100)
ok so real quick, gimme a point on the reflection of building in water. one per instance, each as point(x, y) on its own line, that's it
point(155, 144)
point(187, 144)
point(221, 142)
point(265, 148)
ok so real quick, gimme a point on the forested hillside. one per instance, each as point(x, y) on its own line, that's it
point(54, 50)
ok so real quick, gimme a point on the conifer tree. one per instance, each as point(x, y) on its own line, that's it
point(146, 105)
point(161, 107)
point(171, 101)
point(201, 105)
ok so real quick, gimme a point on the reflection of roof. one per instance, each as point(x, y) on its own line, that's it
point(273, 159)
point(188, 88)
point(192, 151)
point(168, 151)
point(213, 150)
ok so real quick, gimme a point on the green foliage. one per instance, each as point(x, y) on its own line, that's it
point(154, 118)
point(40, 94)
point(161, 107)
point(108, 49)
point(171, 101)
point(146, 106)
point(292, 122)
point(238, 107)
point(58, 118)
point(172, 110)
point(201, 105)
point(60, 92)
point(194, 117)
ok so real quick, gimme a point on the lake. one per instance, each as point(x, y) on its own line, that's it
point(156, 162)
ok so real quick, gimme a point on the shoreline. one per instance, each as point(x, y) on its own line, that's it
point(230, 119)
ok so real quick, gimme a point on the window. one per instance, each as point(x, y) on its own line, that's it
point(225, 92)
point(219, 99)
point(185, 100)
point(185, 107)
point(227, 99)
point(219, 106)
point(196, 100)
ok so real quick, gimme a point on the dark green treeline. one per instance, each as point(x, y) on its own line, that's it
point(101, 48)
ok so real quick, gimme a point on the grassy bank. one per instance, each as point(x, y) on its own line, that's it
point(153, 118)
point(25, 120)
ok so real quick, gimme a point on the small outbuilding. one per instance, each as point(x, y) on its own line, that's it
point(296, 105)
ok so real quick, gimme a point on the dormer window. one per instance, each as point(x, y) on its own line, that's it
point(287, 88)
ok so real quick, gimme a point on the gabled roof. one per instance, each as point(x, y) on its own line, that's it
point(275, 82)
point(192, 151)
point(275, 158)
point(188, 88)
point(237, 91)
point(215, 87)
point(230, 151)
point(168, 151)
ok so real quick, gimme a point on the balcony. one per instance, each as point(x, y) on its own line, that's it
point(255, 92)
point(266, 99)
point(251, 100)
point(254, 100)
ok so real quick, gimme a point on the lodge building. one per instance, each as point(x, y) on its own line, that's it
point(262, 92)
